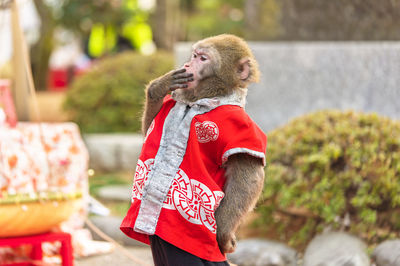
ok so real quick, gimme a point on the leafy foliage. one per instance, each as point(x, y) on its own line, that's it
point(207, 18)
point(109, 98)
point(329, 165)
point(79, 16)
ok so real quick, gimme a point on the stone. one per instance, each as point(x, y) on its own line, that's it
point(387, 253)
point(110, 226)
point(259, 252)
point(336, 249)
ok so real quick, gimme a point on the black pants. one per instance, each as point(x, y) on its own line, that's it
point(165, 254)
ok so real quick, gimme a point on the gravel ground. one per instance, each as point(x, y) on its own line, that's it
point(118, 258)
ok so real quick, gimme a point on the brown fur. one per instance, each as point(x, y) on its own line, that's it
point(229, 58)
point(155, 92)
point(245, 179)
point(232, 49)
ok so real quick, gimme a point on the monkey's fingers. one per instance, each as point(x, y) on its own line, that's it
point(182, 75)
point(233, 245)
point(181, 70)
point(173, 87)
point(183, 80)
point(227, 243)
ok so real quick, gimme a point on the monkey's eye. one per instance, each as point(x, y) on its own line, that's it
point(203, 58)
point(194, 55)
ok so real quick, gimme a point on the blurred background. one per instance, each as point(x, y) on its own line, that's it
point(328, 98)
point(65, 36)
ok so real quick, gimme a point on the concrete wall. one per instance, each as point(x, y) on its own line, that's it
point(301, 77)
point(113, 152)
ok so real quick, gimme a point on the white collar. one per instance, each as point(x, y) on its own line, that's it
point(237, 97)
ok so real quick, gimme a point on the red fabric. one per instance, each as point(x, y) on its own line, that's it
point(58, 79)
point(36, 241)
point(187, 217)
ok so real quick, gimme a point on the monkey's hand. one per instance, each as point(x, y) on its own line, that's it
point(158, 89)
point(226, 242)
point(175, 79)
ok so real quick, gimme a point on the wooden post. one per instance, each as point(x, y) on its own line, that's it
point(20, 75)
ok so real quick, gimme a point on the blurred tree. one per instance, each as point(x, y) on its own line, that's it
point(252, 19)
point(261, 19)
point(166, 22)
point(293, 19)
point(340, 20)
point(204, 18)
point(107, 26)
point(79, 16)
point(41, 50)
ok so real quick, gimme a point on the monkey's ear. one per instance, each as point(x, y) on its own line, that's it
point(244, 68)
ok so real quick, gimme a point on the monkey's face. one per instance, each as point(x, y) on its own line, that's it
point(220, 65)
point(202, 64)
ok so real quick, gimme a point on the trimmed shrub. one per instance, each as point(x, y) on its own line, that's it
point(109, 98)
point(332, 169)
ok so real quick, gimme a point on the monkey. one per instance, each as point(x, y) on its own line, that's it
point(207, 152)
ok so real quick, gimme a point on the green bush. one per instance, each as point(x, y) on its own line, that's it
point(109, 98)
point(329, 165)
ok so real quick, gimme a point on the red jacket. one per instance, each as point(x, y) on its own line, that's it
point(185, 217)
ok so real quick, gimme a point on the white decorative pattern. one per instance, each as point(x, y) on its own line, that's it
point(206, 131)
point(191, 198)
point(142, 172)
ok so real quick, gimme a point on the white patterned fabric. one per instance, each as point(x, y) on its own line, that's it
point(42, 157)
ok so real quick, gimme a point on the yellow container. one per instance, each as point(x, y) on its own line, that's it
point(21, 219)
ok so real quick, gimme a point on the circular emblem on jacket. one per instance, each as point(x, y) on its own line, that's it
point(206, 131)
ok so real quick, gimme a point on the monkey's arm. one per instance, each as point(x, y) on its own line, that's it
point(245, 179)
point(158, 89)
point(155, 93)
